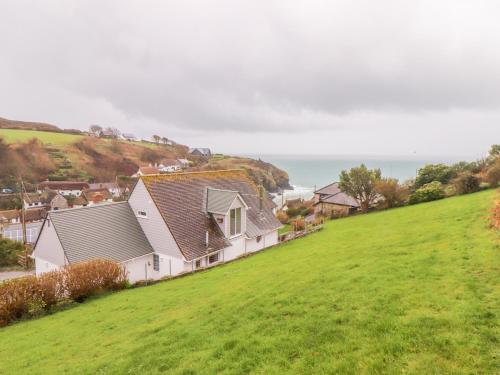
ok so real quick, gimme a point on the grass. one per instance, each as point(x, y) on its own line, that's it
point(49, 138)
point(285, 228)
point(412, 290)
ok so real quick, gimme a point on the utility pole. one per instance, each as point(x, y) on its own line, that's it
point(24, 258)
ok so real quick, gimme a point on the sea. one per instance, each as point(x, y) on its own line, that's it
point(308, 173)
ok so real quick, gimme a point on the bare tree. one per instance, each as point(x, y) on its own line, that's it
point(156, 138)
point(116, 133)
point(164, 140)
point(95, 129)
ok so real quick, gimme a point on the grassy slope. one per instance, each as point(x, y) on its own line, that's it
point(51, 138)
point(411, 290)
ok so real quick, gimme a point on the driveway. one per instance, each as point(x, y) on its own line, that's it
point(6, 275)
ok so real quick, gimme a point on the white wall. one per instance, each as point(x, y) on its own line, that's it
point(42, 266)
point(48, 249)
point(270, 239)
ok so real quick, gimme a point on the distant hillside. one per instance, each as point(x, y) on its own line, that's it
point(56, 155)
point(27, 125)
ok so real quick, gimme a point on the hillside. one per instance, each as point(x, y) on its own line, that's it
point(368, 294)
point(38, 155)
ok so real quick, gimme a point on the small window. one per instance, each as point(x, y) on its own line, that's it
point(259, 238)
point(156, 262)
point(197, 264)
point(213, 258)
point(142, 214)
point(235, 221)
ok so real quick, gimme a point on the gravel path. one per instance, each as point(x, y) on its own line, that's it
point(6, 275)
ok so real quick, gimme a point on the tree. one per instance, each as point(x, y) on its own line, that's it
point(164, 140)
point(434, 172)
point(359, 182)
point(156, 138)
point(95, 129)
point(493, 174)
point(394, 194)
point(466, 183)
point(116, 133)
point(494, 151)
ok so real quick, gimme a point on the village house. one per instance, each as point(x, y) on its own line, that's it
point(129, 137)
point(169, 166)
point(330, 200)
point(48, 199)
point(97, 196)
point(74, 188)
point(171, 224)
point(15, 216)
point(184, 163)
point(112, 187)
point(205, 152)
point(144, 171)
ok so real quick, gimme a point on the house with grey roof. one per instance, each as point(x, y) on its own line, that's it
point(171, 224)
point(331, 200)
point(108, 231)
point(200, 151)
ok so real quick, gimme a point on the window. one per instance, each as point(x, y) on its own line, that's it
point(213, 258)
point(197, 264)
point(142, 214)
point(235, 221)
point(156, 262)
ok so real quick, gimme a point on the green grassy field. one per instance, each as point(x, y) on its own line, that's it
point(413, 290)
point(52, 138)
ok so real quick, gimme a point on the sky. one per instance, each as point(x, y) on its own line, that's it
point(401, 78)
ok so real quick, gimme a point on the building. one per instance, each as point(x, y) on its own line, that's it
point(48, 199)
point(112, 187)
point(330, 200)
point(74, 188)
point(107, 134)
point(200, 152)
point(144, 171)
point(129, 137)
point(97, 196)
point(184, 163)
point(171, 224)
point(169, 166)
point(11, 224)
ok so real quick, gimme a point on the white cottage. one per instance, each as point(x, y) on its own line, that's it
point(186, 220)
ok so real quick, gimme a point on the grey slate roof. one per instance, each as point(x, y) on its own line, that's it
point(180, 198)
point(219, 201)
point(332, 194)
point(106, 231)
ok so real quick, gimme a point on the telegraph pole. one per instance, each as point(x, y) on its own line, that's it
point(24, 259)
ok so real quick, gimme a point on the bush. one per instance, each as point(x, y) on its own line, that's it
point(394, 194)
point(434, 172)
point(9, 252)
point(493, 174)
point(282, 217)
point(299, 224)
point(466, 183)
point(83, 280)
point(30, 296)
point(495, 215)
point(428, 192)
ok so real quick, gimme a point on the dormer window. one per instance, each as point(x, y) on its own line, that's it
point(235, 221)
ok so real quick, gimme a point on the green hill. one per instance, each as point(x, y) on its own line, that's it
point(412, 290)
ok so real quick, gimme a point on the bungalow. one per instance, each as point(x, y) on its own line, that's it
point(64, 187)
point(200, 152)
point(330, 200)
point(171, 224)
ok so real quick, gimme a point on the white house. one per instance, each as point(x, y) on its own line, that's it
point(112, 187)
point(169, 166)
point(188, 220)
point(64, 187)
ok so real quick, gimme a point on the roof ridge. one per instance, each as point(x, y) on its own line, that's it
point(88, 207)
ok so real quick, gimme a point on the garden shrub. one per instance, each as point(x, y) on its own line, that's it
point(30, 296)
point(466, 183)
point(9, 252)
point(493, 174)
point(299, 224)
point(434, 172)
point(282, 217)
point(429, 192)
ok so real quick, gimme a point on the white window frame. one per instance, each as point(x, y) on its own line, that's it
point(156, 262)
point(142, 214)
point(235, 222)
point(217, 258)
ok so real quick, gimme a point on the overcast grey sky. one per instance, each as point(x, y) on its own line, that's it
point(294, 77)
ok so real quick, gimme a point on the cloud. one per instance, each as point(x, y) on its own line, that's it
point(196, 67)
